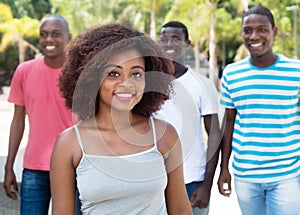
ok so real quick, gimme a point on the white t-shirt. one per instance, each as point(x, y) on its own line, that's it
point(194, 96)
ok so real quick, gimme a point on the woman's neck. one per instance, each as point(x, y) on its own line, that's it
point(114, 119)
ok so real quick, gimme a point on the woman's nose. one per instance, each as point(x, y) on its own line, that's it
point(126, 81)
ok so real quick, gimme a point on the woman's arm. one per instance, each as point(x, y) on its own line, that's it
point(62, 175)
point(176, 196)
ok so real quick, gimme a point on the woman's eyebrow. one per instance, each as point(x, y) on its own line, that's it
point(120, 67)
point(138, 67)
point(112, 65)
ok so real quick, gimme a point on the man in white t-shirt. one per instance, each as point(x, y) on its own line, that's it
point(195, 97)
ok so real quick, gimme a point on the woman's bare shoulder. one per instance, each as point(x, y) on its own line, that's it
point(165, 129)
point(67, 146)
point(68, 135)
point(166, 134)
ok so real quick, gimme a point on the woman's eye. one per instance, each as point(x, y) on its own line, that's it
point(113, 74)
point(137, 75)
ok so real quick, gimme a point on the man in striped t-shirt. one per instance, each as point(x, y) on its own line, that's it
point(262, 123)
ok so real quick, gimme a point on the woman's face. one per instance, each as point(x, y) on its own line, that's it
point(123, 81)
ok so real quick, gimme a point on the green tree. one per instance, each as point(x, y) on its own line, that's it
point(16, 30)
point(30, 8)
point(84, 14)
point(153, 8)
point(5, 13)
point(131, 12)
point(228, 36)
point(213, 63)
point(145, 15)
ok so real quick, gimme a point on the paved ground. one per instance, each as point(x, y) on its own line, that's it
point(219, 204)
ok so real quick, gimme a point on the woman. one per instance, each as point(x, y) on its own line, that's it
point(124, 161)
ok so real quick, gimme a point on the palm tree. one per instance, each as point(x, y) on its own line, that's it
point(152, 7)
point(16, 30)
point(213, 64)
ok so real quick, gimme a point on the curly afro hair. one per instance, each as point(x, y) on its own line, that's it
point(87, 55)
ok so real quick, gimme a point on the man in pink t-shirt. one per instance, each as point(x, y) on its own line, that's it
point(34, 92)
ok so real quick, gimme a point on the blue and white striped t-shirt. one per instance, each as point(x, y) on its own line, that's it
point(266, 137)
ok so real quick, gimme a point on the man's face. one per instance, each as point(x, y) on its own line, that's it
point(258, 35)
point(172, 39)
point(53, 38)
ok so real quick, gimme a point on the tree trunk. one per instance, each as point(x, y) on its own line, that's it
point(37, 52)
point(152, 21)
point(196, 54)
point(213, 65)
point(22, 50)
point(22, 45)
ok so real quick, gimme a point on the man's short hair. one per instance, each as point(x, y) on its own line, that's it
point(177, 24)
point(261, 11)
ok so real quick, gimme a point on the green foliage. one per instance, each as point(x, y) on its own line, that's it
point(13, 32)
point(131, 13)
point(84, 14)
point(228, 33)
point(194, 14)
point(30, 8)
point(5, 13)
point(137, 13)
point(9, 58)
point(16, 29)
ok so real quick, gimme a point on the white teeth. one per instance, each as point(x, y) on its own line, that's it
point(256, 45)
point(124, 95)
point(170, 51)
point(50, 47)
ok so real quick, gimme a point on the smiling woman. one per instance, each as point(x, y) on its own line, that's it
point(123, 83)
point(124, 161)
point(81, 79)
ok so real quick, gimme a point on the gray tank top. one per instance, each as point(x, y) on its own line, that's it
point(130, 184)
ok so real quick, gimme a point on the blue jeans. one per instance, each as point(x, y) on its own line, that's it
point(275, 198)
point(36, 193)
point(190, 188)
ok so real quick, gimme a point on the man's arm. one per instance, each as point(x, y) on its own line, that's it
point(224, 182)
point(16, 133)
point(201, 196)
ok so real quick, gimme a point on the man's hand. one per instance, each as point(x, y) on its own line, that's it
point(200, 197)
point(10, 184)
point(224, 183)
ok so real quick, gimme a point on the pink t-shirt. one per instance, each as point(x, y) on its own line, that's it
point(34, 86)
